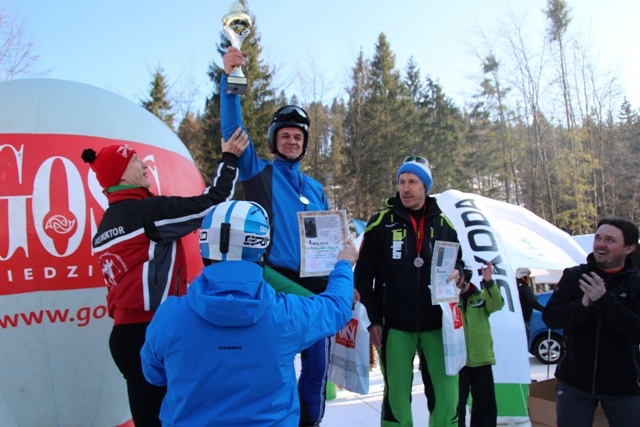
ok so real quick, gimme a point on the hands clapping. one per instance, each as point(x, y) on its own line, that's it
point(593, 287)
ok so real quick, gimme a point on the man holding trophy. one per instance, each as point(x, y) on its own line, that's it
point(283, 190)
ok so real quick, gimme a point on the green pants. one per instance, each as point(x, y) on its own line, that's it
point(396, 362)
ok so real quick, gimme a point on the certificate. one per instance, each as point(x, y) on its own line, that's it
point(445, 255)
point(322, 235)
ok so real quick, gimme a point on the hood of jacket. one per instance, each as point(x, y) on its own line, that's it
point(231, 293)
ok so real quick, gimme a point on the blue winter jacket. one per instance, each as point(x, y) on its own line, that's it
point(225, 350)
point(264, 181)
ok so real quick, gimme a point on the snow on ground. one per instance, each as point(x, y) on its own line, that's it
point(354, 410)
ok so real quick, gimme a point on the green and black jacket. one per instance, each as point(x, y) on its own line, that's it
point(394, 291)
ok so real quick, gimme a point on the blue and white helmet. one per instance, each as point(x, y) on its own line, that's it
point(235, 230)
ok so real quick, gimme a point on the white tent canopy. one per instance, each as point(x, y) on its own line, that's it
point(510, 237)
point(541, 275)
point(585, 241)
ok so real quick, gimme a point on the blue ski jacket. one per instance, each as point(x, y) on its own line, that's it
point(225, 351)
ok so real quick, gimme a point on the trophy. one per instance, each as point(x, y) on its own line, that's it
point(236, 25)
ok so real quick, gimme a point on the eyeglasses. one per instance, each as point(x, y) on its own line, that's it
point(291, 112)
point(418, 159)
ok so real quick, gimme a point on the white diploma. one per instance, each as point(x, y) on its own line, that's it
point(322, 235)
point(445, 255)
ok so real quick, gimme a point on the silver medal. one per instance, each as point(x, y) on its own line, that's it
point(304, 200)
point(418, 262)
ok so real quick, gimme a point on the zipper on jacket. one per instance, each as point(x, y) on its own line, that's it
point(430, 256)
point(417, 288)
point(430, 245)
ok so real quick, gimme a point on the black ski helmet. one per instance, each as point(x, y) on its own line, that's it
point(289, 116)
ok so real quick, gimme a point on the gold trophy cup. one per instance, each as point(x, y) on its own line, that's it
point(236, 26)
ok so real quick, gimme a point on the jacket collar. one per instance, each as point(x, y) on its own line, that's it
point(395, 204)
point(135, 193)
point(286, 164)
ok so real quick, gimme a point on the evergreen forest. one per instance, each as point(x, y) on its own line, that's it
point(547, 129)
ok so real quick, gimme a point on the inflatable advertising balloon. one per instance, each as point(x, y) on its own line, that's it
point(55, 365)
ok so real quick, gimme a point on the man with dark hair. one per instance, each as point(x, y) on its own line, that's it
point(598, 306)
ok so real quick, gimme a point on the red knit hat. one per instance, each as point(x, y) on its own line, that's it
point(109, 164)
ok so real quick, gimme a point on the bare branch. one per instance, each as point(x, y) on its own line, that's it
point(17, 50)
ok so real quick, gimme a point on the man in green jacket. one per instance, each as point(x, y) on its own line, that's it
point(475, 306)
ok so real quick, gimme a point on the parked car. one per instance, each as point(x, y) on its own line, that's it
point(544, 343)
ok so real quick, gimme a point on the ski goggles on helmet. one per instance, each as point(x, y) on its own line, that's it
point(291, 113)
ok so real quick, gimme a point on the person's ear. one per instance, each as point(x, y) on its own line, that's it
point(629, 249)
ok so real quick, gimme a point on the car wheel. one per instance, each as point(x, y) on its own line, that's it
point(547, 349)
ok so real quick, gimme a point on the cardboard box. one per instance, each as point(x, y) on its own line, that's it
point(542, 405)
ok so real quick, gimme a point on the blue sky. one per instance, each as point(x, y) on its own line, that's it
point(117, 44)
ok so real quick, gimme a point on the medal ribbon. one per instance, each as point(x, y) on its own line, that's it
point(302, 183)
point(297, 179)
point(419, 230)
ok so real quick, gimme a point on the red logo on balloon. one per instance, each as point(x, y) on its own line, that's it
point(51, 205)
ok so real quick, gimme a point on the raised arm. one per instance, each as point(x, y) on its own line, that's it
point(492, 294)
point(531, 298)
point(230, 109)
point(231, 117)
point(170, 218)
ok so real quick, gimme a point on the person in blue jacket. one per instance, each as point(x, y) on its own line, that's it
point(283, 190)
point(225, 351)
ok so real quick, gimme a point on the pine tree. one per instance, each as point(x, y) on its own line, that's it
point(358, 129)
point(191, 133)
point(415, 90)
point(477, 154)
point(158, 103)
point(339, 184)
point(441, 132)
point(388, 108)
point(318, 147)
